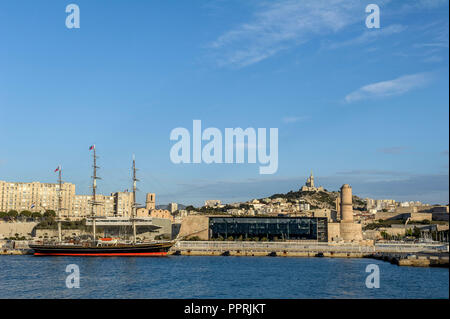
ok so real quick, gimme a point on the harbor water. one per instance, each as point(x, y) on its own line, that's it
point(216, 277)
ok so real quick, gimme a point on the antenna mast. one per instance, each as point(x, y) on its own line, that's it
point(94, 188)
point(133, 211)
point(59, 204)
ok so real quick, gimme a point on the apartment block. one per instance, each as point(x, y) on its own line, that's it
point(38, 197)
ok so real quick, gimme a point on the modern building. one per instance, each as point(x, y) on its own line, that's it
point(271, 228)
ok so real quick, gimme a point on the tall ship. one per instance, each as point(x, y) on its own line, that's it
point(101, 246)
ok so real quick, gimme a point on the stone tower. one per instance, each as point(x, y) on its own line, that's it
point(310, 180)
point(349, 230)
point(150, 201)
point(346, 203)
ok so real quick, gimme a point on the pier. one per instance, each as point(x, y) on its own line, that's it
point(398, 253)
point(416, 260)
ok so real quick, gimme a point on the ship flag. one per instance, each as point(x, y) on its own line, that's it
point(91, 147)
point(58, 168)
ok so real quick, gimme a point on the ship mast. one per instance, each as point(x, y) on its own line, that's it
point(94, 188)
point(59, 203)
point(133, 211)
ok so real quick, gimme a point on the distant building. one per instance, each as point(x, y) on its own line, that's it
point(150, 201)
point(39, 197)
point(161, 213)
point(173, 207)
point(304, 206)
point(380, 204)
point(123, 202)
point(310, 186)
point(212, 203)
point(440, 209)
point(35, 196)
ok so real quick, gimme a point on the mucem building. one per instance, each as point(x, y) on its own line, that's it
point(271, 228)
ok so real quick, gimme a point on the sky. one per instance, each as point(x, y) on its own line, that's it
point(359, 106)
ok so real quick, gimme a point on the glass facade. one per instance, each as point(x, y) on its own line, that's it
point(289, 228)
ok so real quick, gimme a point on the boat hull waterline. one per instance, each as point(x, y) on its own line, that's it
point(140, 250)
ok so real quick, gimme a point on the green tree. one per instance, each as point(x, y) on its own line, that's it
point(36, 215)
point(50, 213)
point(26, 213)
point(416, 232)
point(13, 213)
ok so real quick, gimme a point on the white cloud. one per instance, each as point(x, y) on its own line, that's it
point(370, 36)
point(433, 59)
point(424, 4)
point(393, 87)
point(282, 25)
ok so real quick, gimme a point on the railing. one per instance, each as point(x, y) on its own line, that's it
point(305, 247)
point(270, 246)
point(405, 247)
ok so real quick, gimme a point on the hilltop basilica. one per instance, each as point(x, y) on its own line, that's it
point(309, 185)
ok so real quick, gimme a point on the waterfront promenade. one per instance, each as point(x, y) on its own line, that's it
point(299, 248)
point(421, 254)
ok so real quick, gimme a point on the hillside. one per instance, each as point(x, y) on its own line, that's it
point(321, 199)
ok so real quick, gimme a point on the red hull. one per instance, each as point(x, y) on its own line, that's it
point(102, 254)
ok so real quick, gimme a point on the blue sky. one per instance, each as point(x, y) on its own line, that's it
point(368, 107)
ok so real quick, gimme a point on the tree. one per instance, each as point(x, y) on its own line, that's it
point(416, 232)
point(13, 213)
point(26, 213)
point(50, 213)
point(36, 215)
